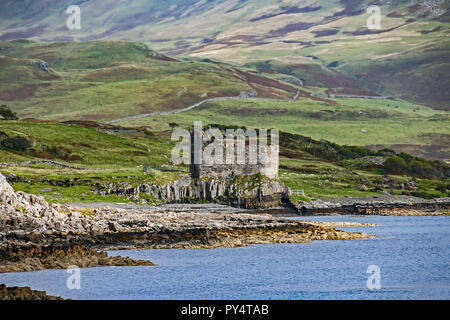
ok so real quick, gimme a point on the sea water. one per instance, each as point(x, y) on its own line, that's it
point(412, 254)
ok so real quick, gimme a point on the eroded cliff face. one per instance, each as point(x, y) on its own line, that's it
point(21, 212)
point(24, 293)
point(254, 191)
point(33, 235)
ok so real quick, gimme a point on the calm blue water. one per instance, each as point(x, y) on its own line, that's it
point(412, 252)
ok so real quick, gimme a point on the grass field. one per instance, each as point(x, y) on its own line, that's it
point(350, 121)
point(118, 157)
point(105, 80)
point(101, 156)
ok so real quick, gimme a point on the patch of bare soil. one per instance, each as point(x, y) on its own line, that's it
point(27, 91)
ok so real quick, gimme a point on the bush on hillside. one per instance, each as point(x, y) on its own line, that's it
point(386, 152)
point(17, 143)
point(396, 165)
point(7, 113)
point(406, 164)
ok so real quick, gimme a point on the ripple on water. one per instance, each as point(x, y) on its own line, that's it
point(412, 253)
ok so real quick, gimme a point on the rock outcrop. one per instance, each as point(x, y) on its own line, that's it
point(243, 191)
point(33, 214)
point(36, 235)
point(24, 293)
point(25, 218)
point(381, 205)
point(18, 257)
point(43, 65)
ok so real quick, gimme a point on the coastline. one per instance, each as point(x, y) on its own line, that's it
point(36, 235)
point(24, 293)
point(381, 205)
point(119, 229)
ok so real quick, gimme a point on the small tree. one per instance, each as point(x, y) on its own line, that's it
point(7, 113)
point(17, 143)
point(396, 165)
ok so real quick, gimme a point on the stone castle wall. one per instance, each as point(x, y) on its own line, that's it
point(269, 169)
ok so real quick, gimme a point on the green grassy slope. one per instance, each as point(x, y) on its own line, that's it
point(105, 80)
point(109, 154)
point(324, 42)
point(396, 124)
point(101, 154)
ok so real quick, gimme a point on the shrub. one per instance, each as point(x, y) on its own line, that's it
point(406, 164)
point(7, 114)
point(396, 165)
point(407, 157)
point(421, 168)
point(17, 143)
point(386, 152)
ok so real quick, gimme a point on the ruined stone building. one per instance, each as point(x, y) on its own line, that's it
point(267, 164)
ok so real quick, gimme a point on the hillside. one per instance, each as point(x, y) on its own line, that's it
point(324, 43)
point(373, 123)
point(105, 80)
point(111, 80)
point(91, 156)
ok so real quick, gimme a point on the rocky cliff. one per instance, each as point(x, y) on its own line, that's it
point(32, 235)
point(36, 235)
point(381, 205)
point(255, 191)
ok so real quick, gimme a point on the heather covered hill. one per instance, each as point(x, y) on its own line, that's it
point(110, 80)
point(105, 80)
point(324, 43)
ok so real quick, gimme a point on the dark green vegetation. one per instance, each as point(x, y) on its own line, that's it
point(7, 114)
point(404, 163)
point(104, 154)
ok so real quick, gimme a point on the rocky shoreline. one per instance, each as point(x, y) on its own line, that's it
point(251, 192)
point(381, 205)
point(36, 235)
point(19, 257)
point(24, 293)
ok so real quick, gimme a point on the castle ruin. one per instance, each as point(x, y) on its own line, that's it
point(266, 162)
